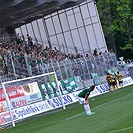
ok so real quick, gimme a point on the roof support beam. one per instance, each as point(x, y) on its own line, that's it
point(10, 3)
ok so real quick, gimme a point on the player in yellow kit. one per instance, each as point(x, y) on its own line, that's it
point(108, 79)
point(119, 77)
point(113, 82)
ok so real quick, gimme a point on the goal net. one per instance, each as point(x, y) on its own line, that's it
point(23, 98)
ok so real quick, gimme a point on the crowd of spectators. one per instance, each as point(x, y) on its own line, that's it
point(20, 46)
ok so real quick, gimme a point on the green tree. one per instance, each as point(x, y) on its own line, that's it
point(116, 19)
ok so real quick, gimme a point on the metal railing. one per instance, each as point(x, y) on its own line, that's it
point(66, 68)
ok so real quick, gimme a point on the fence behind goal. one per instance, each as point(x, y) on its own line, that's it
point(27, 97)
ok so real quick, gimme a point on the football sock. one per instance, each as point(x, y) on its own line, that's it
point(87, 108)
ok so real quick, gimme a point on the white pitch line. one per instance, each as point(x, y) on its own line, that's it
point(124, 129)
point(96, 107)
point(74, 116)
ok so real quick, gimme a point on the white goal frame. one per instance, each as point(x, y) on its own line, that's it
point(7, 98)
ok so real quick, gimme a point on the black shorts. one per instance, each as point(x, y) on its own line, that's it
point(113, 83)
point(109, 83)
point(120, 82)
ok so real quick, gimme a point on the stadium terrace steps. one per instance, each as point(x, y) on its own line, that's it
point(9, 77)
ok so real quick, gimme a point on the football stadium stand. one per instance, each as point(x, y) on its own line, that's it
point(38, 37)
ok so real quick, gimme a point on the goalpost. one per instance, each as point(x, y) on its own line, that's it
point(32, 85)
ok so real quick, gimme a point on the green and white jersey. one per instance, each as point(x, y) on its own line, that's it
point(84, 92)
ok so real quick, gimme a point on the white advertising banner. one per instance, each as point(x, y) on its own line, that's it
point(20, 96)
point(56, 102)
point(24, 112)
point(30, 110)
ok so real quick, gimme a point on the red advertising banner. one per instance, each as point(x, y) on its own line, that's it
point(12, 92)
point(18, 91)
point(5, 117)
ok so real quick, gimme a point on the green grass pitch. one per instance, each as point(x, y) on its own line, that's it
point(113, 115)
